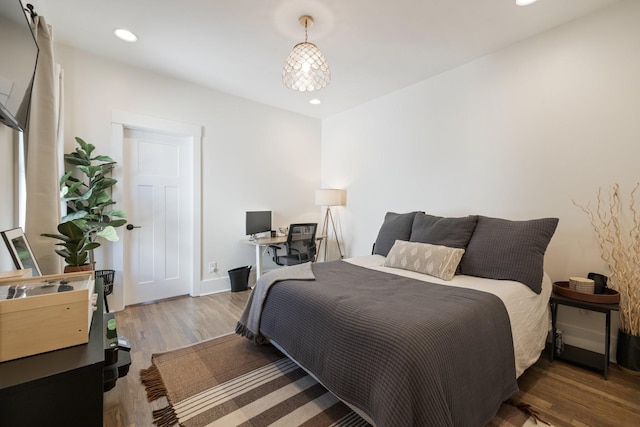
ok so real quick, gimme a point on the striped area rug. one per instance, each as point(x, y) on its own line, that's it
point(228, 381)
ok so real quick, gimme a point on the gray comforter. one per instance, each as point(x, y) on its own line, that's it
point(405, 352)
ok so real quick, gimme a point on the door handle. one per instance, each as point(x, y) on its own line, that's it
point(131, 226)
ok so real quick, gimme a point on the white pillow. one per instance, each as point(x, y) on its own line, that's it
point(434, 260)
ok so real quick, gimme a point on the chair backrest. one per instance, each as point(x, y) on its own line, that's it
point(302, 239)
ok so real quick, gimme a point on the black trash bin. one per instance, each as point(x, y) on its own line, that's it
point(239, 278)
point(107, 282)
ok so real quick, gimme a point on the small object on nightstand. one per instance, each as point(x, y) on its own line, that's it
point(600, 282)
point(581, 284)
point(559, 345)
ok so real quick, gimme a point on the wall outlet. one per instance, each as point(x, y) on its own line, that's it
point(213, 267)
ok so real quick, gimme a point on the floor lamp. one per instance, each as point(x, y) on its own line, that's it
point(330, 197)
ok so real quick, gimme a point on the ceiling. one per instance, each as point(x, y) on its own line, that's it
point(374, 47)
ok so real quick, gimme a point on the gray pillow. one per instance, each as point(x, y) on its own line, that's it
point(436, 230)
point(509, 250)
point(395, 227)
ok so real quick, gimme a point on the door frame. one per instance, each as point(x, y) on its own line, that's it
point(120, 122)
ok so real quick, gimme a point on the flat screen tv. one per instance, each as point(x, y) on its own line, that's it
point(18, 57)
point(258, 222)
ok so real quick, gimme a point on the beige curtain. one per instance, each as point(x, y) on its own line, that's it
point(42, 141)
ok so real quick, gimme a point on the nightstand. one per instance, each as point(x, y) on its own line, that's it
point(576, 354)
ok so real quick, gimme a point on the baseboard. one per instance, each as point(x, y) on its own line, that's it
point(214, 286)
point(589, 339)
point(222, 284)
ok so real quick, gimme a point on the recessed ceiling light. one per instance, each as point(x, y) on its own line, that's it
point(315, 101)
point(125, 35)
point(525, 2)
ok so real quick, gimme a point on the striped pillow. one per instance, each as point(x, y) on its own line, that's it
point(434, 260)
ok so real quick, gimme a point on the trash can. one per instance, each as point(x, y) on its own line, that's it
point(239, 278)
point(107, 281)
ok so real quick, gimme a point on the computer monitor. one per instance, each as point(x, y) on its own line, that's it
point(258, 222)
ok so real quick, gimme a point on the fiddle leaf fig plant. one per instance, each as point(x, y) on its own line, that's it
point(86, 191)
point(75, 245)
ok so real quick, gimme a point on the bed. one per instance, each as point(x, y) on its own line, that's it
point(433, 328)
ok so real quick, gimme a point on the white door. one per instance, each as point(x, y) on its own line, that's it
point(158, 241)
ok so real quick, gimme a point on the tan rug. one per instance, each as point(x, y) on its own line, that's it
point(228, 381)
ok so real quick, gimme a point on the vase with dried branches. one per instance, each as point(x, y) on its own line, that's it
point(617, 227)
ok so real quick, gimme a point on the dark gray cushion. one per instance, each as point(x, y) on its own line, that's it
point(509, 250)
point(436, 230)
point(395, 227)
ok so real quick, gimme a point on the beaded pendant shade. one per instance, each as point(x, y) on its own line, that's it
point(306, 68)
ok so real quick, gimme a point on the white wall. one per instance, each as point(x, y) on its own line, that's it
point(518, 134)
point(254, 157)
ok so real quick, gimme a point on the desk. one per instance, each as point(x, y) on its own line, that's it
point(260, 245)
point(263, 243)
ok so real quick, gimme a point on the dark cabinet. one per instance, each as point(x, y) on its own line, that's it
point(58, 388)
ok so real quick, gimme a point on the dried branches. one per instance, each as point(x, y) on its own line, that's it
point(618, 234)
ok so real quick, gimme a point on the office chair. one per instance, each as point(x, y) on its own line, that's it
point(300, 245)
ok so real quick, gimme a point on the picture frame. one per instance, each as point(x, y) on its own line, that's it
point(20, 251)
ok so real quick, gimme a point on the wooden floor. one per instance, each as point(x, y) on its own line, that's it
point(563, 394)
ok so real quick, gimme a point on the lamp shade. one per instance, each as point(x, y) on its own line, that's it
point(330, 197)
point(306, 68)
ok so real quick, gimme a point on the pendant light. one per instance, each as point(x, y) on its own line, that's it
point(306, 68)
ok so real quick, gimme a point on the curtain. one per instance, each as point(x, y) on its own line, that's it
point(42, 147)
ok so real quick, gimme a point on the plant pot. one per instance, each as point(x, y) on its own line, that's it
point(76, 268)
point(628, 352)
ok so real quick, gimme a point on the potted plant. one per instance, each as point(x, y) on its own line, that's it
point(75, 246)
point(86, 192)
point(618, 233)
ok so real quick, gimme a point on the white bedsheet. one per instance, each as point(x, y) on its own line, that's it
point(528, 311)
